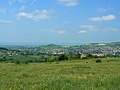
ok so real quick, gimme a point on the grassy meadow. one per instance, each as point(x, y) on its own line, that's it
point(64, 75)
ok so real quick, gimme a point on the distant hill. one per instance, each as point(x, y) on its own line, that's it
point(103, 44)
point(50, 46)
point(1, 48)
point(114, 43)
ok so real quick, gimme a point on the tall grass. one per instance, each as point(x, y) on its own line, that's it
point(67, 75)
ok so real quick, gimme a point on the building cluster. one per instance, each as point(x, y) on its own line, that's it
point(99, 50)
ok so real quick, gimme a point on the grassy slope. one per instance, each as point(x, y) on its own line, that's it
point(67, 75)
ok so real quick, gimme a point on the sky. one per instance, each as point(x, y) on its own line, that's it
point(59, 21)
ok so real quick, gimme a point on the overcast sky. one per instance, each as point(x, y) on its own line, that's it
point(59, 21)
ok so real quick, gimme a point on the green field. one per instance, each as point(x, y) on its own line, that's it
point(65, 75)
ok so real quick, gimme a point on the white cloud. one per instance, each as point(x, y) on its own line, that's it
point(82, 31)
point(66, 22)
point(14, 1)
point(53, 31)
point(101, 9)
point(109, 29)
point(89, 27)
point(68, 2)
point(33, 1)
point(56, 31)
point(103, 18)
point(61, 32)
point(37, 15)
point(11, 2)
point(6, 21)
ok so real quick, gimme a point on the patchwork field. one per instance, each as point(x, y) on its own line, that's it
point(65, 75)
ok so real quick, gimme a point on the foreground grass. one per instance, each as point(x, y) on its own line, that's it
point(67, 75)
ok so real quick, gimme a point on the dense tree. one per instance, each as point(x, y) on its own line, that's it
point(78, 55)
point(63, 57)
point(89, 55)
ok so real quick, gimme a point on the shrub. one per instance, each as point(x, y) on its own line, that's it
point(17, 62)
point(89, 55)
point(98, 61)
point(63, 57)
point(52, 59)
point(26, 62)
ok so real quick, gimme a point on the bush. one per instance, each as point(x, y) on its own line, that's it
point(21, 62)
point(17, 62)
point(98, 61)
point(63, 57)
point(26, 62)
point(52, 59)
point(89, 56)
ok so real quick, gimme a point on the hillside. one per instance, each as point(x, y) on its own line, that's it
point(41, 53)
